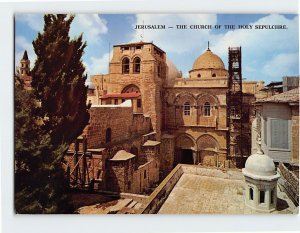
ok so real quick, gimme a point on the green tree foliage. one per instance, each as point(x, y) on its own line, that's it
point(59, 81)
point(49, 118)
point(39, 180)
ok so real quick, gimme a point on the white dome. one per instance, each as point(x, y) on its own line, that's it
point(260, 165)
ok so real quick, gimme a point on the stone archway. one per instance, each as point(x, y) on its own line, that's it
point(131, 89)
point(185, 150)
point(208, 150)
point(136, 97)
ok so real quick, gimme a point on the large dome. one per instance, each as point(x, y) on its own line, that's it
point(173, 72)
point(261, 165)
point(208, 60)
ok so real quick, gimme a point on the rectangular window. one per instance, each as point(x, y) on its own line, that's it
point(261, 197)
point(272, 196)
point(123, 100)
point(139, 103)
point(116, 101)
point(187, 109)
point(279, 134)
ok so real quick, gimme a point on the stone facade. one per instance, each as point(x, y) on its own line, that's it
point(188, 115)
point(111, 129)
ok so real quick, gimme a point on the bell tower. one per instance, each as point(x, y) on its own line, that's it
point(25, 65)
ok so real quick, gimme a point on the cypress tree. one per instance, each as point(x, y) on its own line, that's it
point(59, 80)
point(49, 118)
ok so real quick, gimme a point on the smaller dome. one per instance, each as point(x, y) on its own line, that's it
point(208, 60)
point(261, 165)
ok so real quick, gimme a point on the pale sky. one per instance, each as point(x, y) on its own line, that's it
point(266, 54)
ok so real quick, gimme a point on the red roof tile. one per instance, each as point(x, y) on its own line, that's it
point(121, 95)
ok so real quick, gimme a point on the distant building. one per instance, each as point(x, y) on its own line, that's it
point(279, 126)
point(277, 87)
point(24, 71)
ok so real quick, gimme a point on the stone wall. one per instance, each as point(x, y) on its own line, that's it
point(289, 182)
point(252, 87)
point(120, 175)
point(176, 97)
point(149, 80)
point(167, 154)
point(160, 194)
point(295, 134)
point(124, 124)
point(123, 176)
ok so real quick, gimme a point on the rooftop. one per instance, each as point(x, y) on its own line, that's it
point(291, 96)
point(122, 155)
point(194, 189)
point(139, 43)
point(122, 95)
point(151, 143)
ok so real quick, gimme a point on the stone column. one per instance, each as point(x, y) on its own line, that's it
point(267, 198)
point(194, 157)
point(255, 196)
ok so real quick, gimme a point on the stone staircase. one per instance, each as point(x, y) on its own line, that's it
point(131, 207)
point(120, 206)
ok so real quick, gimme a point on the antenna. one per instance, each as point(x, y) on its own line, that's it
point(142, 35)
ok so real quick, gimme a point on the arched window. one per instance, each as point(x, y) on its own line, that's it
point(251, 193)
point(137, 65)
point(108, 135)
point(214, 75)
point(187, 109)
point(199, 75)
point(206, 109)
point(125, 65)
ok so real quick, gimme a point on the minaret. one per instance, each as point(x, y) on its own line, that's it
point(25, 65)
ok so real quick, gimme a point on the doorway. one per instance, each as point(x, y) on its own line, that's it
point(187, 156)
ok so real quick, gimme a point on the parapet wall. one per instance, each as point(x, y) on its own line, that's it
point(289, 182)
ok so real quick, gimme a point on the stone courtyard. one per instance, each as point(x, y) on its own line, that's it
point(194, 194)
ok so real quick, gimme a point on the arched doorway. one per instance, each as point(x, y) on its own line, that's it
point(208, 149)
point(185, 150)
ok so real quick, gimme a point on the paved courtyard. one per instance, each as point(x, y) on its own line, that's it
point(194, 194)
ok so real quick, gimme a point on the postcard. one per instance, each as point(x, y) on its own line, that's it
point(156, 113)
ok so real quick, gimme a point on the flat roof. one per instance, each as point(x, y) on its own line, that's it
point(195, 189)
point(139, 43)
